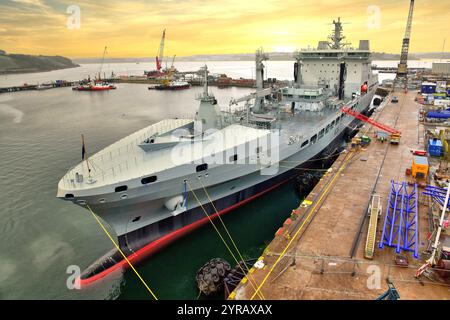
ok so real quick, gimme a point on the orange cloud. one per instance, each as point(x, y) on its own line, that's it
point(133, 28)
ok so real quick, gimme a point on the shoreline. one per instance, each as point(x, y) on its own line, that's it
point(2, 73)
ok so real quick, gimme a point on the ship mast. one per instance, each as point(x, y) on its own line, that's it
point(259, 58)
point(205, 83)
point(337, 36)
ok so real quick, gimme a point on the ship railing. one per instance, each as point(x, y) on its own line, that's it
point(99, 164)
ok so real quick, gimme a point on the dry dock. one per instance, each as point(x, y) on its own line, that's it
point(319, 253)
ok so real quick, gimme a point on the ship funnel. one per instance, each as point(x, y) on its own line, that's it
point(364, 45)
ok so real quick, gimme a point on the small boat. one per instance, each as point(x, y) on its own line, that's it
point(94, 86)
point(44, 86)
point(173, 85)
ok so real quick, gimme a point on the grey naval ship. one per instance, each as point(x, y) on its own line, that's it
point(154, 186)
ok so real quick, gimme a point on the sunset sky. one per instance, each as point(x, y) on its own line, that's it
point(133, 28)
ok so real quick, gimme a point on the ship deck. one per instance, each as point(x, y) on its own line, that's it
point(125, 159)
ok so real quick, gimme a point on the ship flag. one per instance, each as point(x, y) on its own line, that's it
point(83, 148)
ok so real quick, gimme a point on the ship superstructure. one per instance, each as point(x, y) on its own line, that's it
point(150, 186)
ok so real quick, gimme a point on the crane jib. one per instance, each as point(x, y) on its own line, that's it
point(368, 120)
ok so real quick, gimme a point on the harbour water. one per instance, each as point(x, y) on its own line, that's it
point(41, 236)
point(246, 69)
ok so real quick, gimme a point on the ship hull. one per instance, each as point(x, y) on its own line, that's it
point(104, 88)
point(145, 241)
point(173, 87)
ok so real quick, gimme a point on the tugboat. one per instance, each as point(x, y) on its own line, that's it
point(94, 86)
point(98, 84)
point(173, 85)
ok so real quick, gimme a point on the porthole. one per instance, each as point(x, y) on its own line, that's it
point(150, 179)
point(124, 196)
point(102, 200)
point(201, 167)
point(121, 188)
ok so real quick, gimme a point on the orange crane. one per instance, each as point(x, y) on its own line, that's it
point(160, 55)
point(395, 134)
point(368, 120)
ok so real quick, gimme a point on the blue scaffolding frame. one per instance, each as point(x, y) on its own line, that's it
point(400, 228)
point(437, 194)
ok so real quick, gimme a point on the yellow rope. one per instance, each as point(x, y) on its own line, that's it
point(218, 232)
point(123, 255)
point(229, 236)
point(302, 225)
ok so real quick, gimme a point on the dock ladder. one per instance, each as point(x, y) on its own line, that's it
point(375, 212)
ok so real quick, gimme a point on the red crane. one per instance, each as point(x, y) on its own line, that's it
point(368, 120)
point(160, 56)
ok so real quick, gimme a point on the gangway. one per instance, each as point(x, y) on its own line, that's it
point(370, 121)
point(375, 211)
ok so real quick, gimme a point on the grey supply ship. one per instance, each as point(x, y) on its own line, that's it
point(155, 185)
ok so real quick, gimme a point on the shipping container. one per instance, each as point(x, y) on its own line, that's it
point(435, 148)
point(445, 114)
point(428, 88)
point(420, 167)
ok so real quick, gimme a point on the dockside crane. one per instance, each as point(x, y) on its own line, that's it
point(160, 55)
point(402, 70)
point(395, 134)
point(101, 65)
point(370, 121)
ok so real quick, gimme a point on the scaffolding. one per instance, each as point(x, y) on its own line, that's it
point(437, 194)
point(400, 228)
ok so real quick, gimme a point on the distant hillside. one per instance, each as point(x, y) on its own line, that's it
point(280, 56)
point(433, 55)
point(21, 63)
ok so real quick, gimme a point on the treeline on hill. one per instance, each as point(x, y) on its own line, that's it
point(21, 63)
